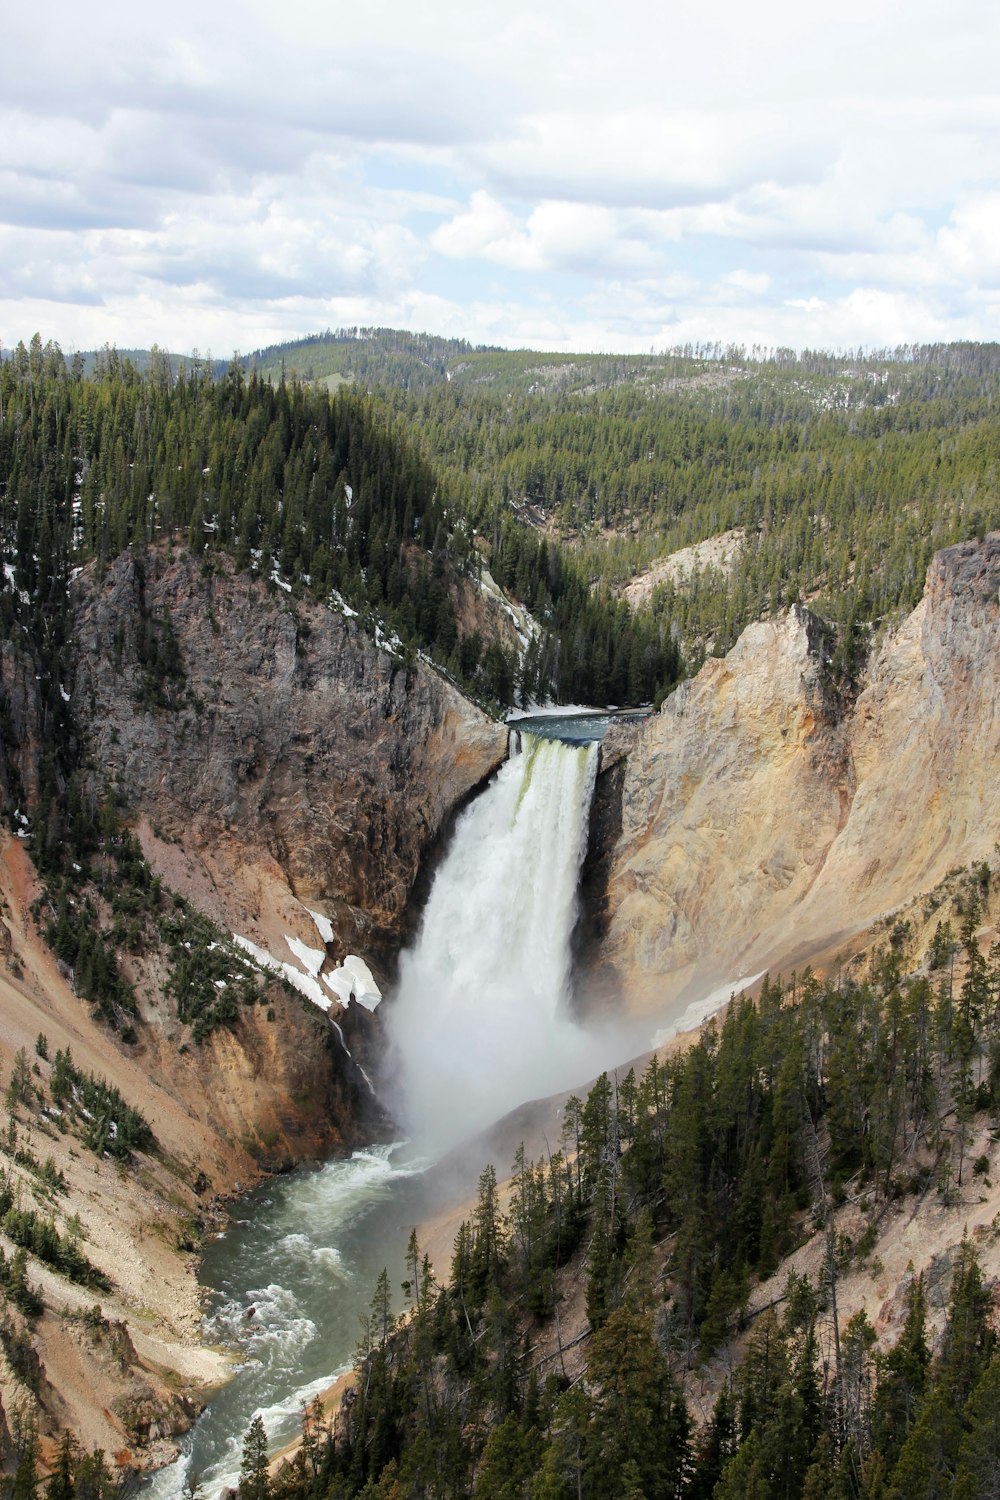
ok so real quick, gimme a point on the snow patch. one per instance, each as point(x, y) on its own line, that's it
point(323, 925)
point(307, 986)
point(311, 959)
point(387, 642)
point(353, 980)
point(261, 955)
point(366, 991)
point(341, 984)
point(339, 602)
point(304, 983)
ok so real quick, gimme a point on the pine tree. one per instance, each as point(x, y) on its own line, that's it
point(60, 1484)
point(19, 1089)
point(969, 1340)
point(978, 1474)
point(639, 1425)
point(902, 1380)
point(255, 1481)
point(24, 1484)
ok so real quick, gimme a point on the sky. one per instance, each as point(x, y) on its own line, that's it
point(566, 176)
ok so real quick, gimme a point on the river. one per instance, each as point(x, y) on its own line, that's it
point(288, 1283)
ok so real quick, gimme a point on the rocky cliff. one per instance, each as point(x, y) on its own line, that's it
point(761, 825)
point(287, 777)
point(298, 765)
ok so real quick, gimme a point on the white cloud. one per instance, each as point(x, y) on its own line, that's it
point(751, 283)
point(569, 173)
point(970, 244)
point(649, 156)
point(555, 236)
point(485, 229)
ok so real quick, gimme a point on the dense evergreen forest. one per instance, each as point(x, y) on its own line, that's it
point(844, 474)
point(566, 475)
point(669, 1197)
point(844, 484)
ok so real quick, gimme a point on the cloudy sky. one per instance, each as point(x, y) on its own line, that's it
point(571, 175)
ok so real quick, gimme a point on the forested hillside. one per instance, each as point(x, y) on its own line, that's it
point(840, 475)
point(845, 481)
point(326, 495)
point(670, 1197)
point(844, 474)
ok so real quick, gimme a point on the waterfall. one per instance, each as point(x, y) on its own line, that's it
point(481, 1020)
point(480, 1023)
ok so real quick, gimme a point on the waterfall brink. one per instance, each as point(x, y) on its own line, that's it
point(481, 1020)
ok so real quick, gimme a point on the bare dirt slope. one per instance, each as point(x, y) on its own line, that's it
point(719, 553)
point(109, 1380)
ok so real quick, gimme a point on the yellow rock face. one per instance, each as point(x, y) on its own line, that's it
point(759, 827)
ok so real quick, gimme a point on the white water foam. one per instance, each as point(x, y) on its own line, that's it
point(270, 1321)
point(481, 1020)
point(275, 1322)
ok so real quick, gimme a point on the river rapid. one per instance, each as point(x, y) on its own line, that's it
point(287, 1286)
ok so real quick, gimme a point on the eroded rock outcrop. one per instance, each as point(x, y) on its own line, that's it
point(759, 827)
point(298, 765)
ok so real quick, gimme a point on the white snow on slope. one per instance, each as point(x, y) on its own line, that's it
point(354, 979)
point(323, 925)
point(311, 959)
point(304, 983)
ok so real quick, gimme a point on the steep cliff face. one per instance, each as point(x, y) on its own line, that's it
point(298, 766)
point(758, 829)
point(924, 739)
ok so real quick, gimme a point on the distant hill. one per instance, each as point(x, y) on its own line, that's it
point(841, 473)
point(385, 356)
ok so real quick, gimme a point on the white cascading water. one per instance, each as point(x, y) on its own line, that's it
point(481, 1020)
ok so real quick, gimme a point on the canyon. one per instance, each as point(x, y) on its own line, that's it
point(765, 818)
point(304, 780)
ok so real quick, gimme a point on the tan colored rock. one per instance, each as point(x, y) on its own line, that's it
point(758, 829)
point(719, 553)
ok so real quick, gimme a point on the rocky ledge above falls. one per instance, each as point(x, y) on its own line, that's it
point(759, 827)
point(297, 763)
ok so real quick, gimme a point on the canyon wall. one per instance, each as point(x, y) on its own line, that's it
point(282, 771)
point(763, 822)
point(300, 766)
